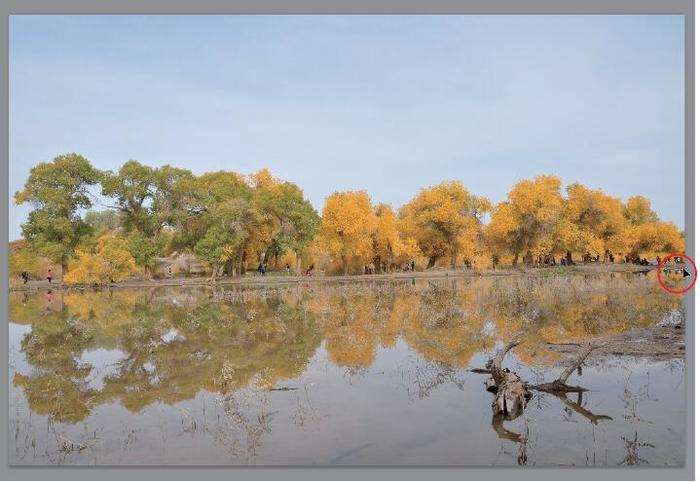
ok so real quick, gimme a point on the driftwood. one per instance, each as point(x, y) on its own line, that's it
point(559, 385)
point(512, 394)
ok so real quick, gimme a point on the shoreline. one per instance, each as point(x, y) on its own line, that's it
point(275, 280)
point(659, 342)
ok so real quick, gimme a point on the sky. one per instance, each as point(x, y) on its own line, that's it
point(388, 104)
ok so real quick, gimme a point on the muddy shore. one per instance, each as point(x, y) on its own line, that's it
point(658, 342)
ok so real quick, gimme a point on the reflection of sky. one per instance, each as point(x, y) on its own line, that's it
point(18, 361)
point(385, 103)
point(103, 362)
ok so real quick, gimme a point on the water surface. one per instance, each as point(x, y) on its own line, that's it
point(337, 374)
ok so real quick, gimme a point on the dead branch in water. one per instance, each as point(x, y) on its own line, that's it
point(559, 385)
point(512, 393)
point(495, 365)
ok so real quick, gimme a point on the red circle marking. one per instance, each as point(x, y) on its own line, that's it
point(659, 270)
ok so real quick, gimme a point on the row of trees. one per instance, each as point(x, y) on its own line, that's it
point(234, 222)
point(225, 218)
point(445, 225)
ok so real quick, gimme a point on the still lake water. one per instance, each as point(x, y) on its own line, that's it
point(367, 373)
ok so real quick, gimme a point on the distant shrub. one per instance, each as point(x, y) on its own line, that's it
point(110, 261)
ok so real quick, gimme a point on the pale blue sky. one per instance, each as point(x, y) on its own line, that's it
point(386, 103)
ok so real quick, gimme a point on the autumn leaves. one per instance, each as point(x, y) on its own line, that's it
point(442, 221)
point(446, 225)
point(539, 221)
point(236, 222)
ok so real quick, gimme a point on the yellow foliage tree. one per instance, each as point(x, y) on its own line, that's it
point(638, 211)
point(24, 259)
point(439, 216)
point(655, 238)
point(526, 222)
point(389, 246)
point(599, 219)
point(110, 261)
point(288, 258)
point(347, 224)
point(316, 255)
point(472, 245)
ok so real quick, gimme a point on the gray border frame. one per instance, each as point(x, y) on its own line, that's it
point(682, 7)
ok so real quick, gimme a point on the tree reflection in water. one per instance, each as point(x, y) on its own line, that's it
point(176, 342)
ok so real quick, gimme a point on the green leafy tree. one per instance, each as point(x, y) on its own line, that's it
point(224, 203)
point(292, 220)
point(175, 190)
point(58, 190)
point(100, 221)
point(145, 250)
point(215, 248)
point(133, 187)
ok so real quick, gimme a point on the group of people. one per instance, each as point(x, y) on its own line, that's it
point(551, 260)
point(641, 261)
point(26, 278)
point(262, 269)
point(567, 260)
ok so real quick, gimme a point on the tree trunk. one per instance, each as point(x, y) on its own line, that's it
point(511, 397)
point(298, 264)
point(511, 392)
point(431, 261)
point(453, 259)
point(377, 264)
point(241, 263)
point(515, 259)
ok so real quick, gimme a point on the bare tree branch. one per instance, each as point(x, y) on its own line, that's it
point(583, 354)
